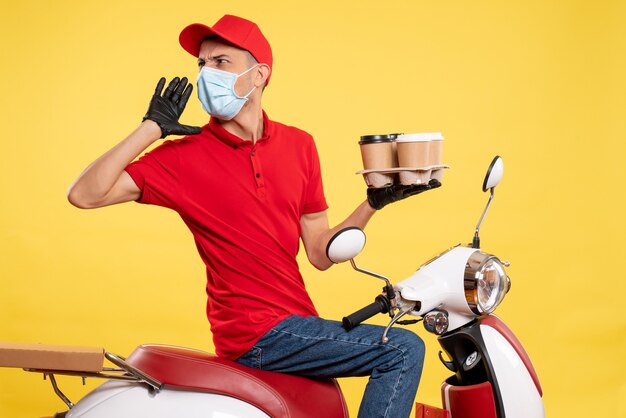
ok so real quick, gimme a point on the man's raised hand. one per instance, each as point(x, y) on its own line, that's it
point(165, 109)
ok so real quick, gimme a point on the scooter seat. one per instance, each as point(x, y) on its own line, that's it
point(278, 395)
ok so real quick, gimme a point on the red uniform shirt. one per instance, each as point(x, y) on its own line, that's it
point(242, 203)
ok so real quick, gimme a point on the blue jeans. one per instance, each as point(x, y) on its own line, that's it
point(319, 348)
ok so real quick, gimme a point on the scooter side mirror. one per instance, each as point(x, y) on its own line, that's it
point(345, 244)
point(492, 178)
point(494, 174)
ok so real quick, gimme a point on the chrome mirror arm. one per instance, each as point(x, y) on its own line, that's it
point(389, 290)
point(476, 240)
point(370, 273)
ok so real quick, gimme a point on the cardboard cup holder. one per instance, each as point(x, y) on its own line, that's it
point(405, 159)
point(417, 176)
point(437, 173)
point(402, 175)
point(379, 179)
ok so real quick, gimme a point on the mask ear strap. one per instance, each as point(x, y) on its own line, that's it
point(249, 93)
point(239, 75)
point(248, 70)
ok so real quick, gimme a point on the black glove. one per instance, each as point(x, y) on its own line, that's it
point(378, 198)
point(166, 109)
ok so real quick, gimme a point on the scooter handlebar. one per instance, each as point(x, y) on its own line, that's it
point(380, 305)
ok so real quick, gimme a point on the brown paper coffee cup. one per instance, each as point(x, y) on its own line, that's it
point(413, 152)
point(435, 149)
point(378, 154)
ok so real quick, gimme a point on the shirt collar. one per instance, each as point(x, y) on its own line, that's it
point(216, 128)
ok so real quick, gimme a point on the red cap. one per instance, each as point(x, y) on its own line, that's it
point(236, 30)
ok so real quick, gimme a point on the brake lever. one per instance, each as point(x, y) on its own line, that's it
point(395, 318)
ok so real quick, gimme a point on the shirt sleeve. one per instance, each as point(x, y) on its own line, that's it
point(156, 173)
point(314, 201)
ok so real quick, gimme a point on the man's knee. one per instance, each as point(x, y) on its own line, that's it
point(409, 343)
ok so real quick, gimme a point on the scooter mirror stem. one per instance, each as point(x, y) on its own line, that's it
point(388, 288)
point(369, 273)
point(476, 240)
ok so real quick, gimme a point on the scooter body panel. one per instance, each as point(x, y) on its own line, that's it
point(130, 400)
point(496, 323)
point(520, 395)
point(439, 285)
point(486, 351)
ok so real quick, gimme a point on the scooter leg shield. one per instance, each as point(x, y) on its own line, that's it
point(473, 401)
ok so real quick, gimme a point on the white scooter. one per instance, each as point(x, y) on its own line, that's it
point(453, 293)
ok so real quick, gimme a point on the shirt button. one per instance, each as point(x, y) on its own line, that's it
point(252, 153)
point(235, 147)
point(258, 175)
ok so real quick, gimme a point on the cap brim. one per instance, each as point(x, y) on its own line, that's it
point(192, 36)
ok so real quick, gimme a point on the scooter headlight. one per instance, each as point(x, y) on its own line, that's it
point(486, 282)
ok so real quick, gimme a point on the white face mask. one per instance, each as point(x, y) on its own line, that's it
point(216, 91)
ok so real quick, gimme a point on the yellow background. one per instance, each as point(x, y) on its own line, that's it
point(540, 83)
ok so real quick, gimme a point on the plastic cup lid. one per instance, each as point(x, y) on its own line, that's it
point(371, 139)
point(420, 137)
